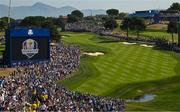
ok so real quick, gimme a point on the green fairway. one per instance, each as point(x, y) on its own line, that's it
point(126, 71)
point(159, 34)
point(151, 32)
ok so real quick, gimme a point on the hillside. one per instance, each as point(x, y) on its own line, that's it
point(41, 9)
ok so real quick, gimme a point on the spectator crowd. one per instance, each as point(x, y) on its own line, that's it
point(34, 87)
point(84, 26)
point(98, 28)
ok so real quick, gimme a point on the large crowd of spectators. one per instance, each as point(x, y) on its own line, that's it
point(34, 87)
point(119, 36)
point(86, 26)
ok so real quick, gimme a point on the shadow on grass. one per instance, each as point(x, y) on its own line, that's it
point(86, 71)
point(166, 48)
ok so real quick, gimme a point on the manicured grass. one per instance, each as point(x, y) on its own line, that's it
point(156, 34)
point(151, 31)
point(159, 34)
point(126, 71)
point(158, 26)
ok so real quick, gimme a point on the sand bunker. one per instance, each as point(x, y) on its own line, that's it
point(94, 54)
point(144, 45)
point(127, 43)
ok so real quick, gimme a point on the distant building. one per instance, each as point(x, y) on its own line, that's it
point(100, 16)
point(147, 14)
point(172, 15)
point(157, 16)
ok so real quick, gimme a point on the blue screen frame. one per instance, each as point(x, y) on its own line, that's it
point(14, 33)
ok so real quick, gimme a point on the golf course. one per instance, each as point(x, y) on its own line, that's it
point(126, 70)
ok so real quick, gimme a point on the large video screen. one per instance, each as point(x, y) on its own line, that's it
point(27, 46)
point(24, 48)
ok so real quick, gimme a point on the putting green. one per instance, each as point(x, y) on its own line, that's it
point(126, 71)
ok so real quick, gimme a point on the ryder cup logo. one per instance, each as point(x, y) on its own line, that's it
point(30, 48)
point(30, 32)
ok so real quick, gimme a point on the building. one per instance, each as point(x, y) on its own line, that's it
point(147, 14)
point(172, 15)
point(157, 16)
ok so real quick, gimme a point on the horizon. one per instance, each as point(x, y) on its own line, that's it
point(121, 5)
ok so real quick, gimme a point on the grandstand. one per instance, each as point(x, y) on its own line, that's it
point(157, 15)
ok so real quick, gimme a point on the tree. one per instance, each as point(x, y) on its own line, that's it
point(172, 28)
point(53, 29)
point(134, 23)
point(42, 22)
point(138, 24)
point(175, 6)
point(4, 22)
point(33, 21)
point(71, 18)
point(55, 33)
point(122, 15)
point(5, 19)
point(78, 14)
point(125, 25)
point(3, 25)
point(60, 22)
point(110, 24)
point(112, 12)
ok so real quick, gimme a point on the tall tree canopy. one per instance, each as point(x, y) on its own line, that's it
point(39, 21)
point(134, 23)
point(71, 18)
point(4, 22)
point(122, 15)
point(125, 25)
point(33, 21)
point(5, 19)
point(175, 6)
point(112, 12)
point(77, 13)
point(172, 28)
point(60, 22)
point(3, 25)
point(110, 24)
point(53, 29)
point(75, 16)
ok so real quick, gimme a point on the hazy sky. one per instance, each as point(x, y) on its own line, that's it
point(122, 5)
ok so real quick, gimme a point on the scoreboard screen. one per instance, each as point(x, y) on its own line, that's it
point(27, 45)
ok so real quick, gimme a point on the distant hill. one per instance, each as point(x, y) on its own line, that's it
point(41, 9)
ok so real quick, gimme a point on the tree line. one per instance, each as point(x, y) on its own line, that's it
point(129, 23)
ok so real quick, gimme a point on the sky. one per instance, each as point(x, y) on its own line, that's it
point(122, 5)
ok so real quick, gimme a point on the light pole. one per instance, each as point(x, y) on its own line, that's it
point(9, 14)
